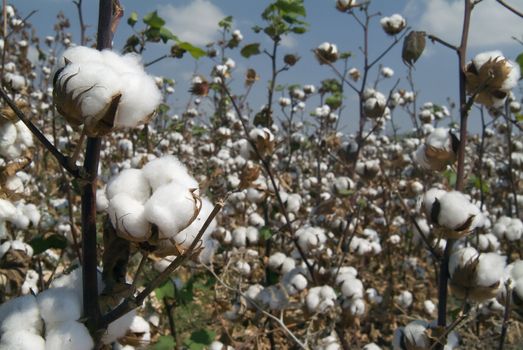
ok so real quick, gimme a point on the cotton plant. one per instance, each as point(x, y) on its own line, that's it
point(103, 91)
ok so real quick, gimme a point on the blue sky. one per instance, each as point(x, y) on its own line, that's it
point(196, 20)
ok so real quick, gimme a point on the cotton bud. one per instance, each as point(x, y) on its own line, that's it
point(291, 59)
point(475, 276)
point(345, 5)
point(490, 77)
point(327, 53)
point(251, 77)
point(438, 151)
point(355, 74)
point(413, 47)
point(199, 87)
point(103, 91)
point(394, 24)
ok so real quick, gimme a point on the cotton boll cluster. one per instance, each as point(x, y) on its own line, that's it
point(103, 91)
point(281, 263)
point(394, 24)
point(491, 77)
point(475, 276)
point(351, 289)
point(438, 151)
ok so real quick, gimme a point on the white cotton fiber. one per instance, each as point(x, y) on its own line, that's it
point(162, 171)
point(132, 182)
point(20, 314)
point(352, 288)
point(68, 336)
point(128, 217)
point(171, 208)
point(118, 328)
point(7, 135)
point(80, 54)
point(59, 305)
point(414, 333)
point(140, 99)
point(32, 213)
point(455, 210)
point(440, 139)
point(430, 196)
point(22, 340)
point(186, 237)
point(461, 257)
point(24, 136)
point(490, 269)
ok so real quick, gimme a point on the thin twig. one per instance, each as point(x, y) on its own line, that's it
point(510, 8)
point(77, 172)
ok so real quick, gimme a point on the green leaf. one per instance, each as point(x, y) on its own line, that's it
point(225, 23)
point(291, 7)
point(195, 51)
point(165, 291)
point(519, 117)
point(265, 233)
point(165, 342)
point(199, 339)
point(198, 130)
point(299, 30)
point(40, 244)
point(250, 50)
point(451, 177)
point(153, 20)
point(519, 60)
point(345, 192)
point(166, 35)
point(133, 18)
point(476, 182)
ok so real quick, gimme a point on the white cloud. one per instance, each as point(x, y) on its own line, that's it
point(196, 22)
point(289, 42)
point(491, 24)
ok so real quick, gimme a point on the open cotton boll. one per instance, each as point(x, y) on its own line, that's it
point(515, 270)
point(129, 218)
point(185, 238)
point(139, 100)
point(24, 136)
point(30, 284)
point(455, 210)
point(352, 288)
point(162, 171)
point(67, 336)
point(439, 139)
point(8, 135)
point(429, 198)
point(295, 281)
point(414, 333)
point(461, 257)
point(171, 208)
point(480, 59)
point(80, 54)
point(118, 328)
point(58, 305)
point(490, 269)
point(404, 299)
point(320, 299)
point(132, 182)
point(20, 314)
point(22, 340)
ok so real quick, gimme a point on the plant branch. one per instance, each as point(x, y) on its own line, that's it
point(510, 8)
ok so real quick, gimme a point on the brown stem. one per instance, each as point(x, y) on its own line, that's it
point(506, 315)
point(91, 307)
point(460, 177)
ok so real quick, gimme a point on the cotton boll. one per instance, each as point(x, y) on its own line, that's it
point(132, 182)
point(171, 208)
point(252, 235)
point(429, 198)
point(58, 305)
point(273, 297)
point(128, 217)
point(415, 334)
point(371, 346)
point(404, 299)
point(239, 237)
point(22, 340)
point(8, 135)
point(294, 281)
point(243, 267)
point(67, 336)
point(252, 293)
point(455, 210)
point(461, 257)
point(162, 171)
point(24, 136)
point(352, 288)
point(80, 54)
point(372, 296)
point(429, 307)
point(14, 184)
point(490, 269)
point(118, 328)
point(20, 314)
point(357, 307)
point(32, 213)
point(30, 284)
point(320, 299)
